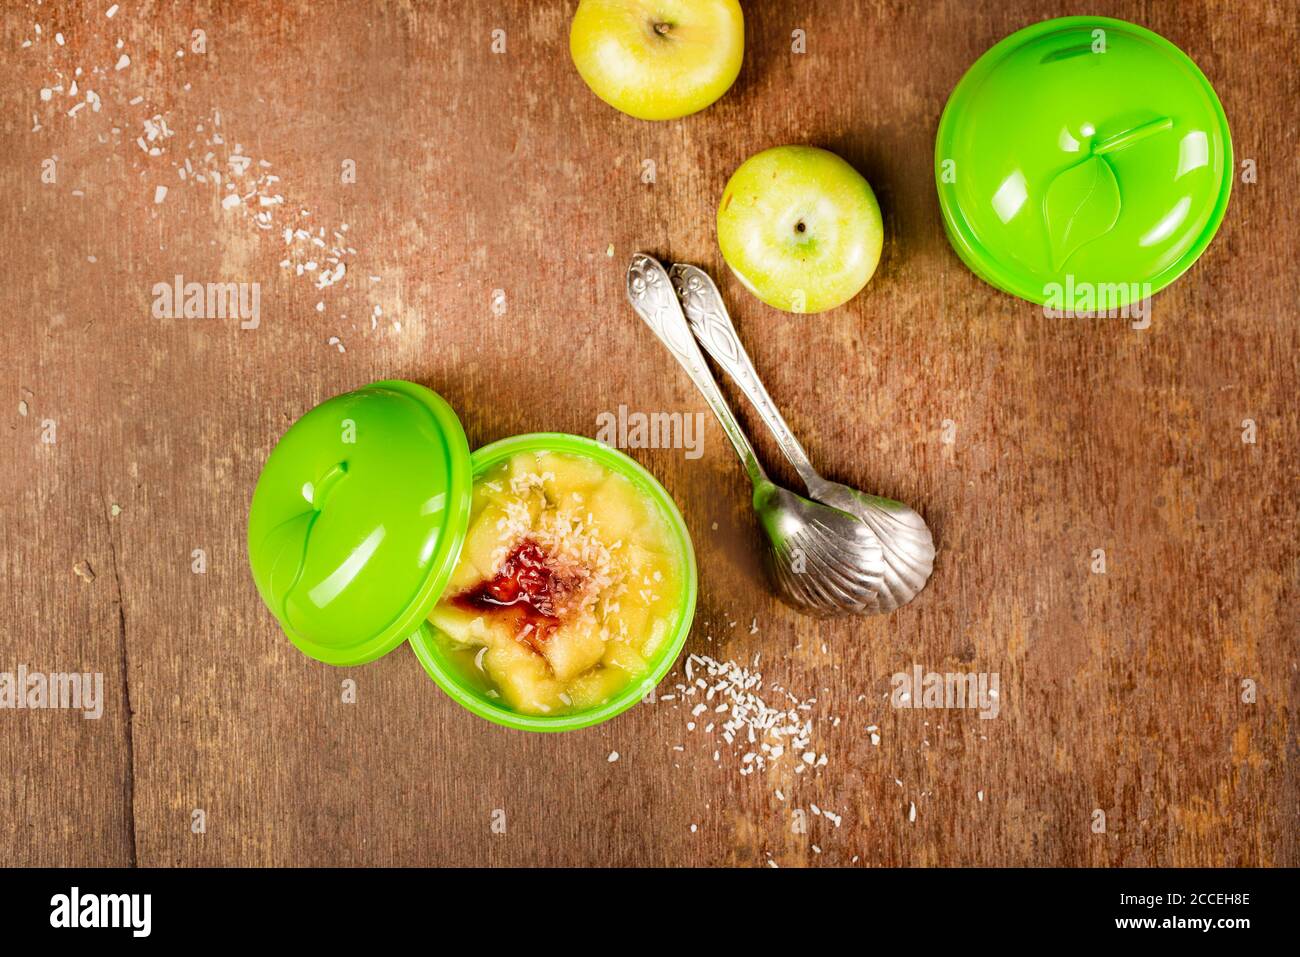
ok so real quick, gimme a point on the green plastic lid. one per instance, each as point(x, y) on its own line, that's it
point(1083, 162)
point(358, 518)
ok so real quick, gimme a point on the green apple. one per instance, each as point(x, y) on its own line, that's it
point(800, 228)
point(658, 59)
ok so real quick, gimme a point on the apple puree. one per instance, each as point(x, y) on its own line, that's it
point(565, 588)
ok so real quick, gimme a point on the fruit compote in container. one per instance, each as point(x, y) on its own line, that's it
point(546, 582)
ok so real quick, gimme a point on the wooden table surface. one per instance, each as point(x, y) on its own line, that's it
point(495, 205)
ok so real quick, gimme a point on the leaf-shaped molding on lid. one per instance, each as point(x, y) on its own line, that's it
point(1082, 204)
point(289, 540)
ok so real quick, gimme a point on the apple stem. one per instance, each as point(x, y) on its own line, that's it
point(663, 28)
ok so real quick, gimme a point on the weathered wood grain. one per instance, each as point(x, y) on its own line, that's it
point(479, 172)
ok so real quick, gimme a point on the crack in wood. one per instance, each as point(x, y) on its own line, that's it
point(128, 779)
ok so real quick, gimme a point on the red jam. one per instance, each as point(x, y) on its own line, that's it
point(527, 586)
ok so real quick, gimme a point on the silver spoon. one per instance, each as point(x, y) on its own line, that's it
point(906, 540)
point(823, 560)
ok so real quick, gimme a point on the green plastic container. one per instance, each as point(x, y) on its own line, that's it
point(1082, 158)
point(358, 519)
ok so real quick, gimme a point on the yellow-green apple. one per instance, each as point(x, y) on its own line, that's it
point(658, 59)
point(800, 228)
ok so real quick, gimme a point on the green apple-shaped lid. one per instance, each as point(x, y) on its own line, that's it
point(1083, 162)
point(358, 519)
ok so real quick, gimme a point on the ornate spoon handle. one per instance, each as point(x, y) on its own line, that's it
point(712, 326)
point(651, 295)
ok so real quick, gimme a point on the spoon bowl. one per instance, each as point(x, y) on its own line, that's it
point(822, 560)
point(907, 545)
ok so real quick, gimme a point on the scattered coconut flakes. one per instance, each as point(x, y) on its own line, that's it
point(245, 181)
point(759, 733)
